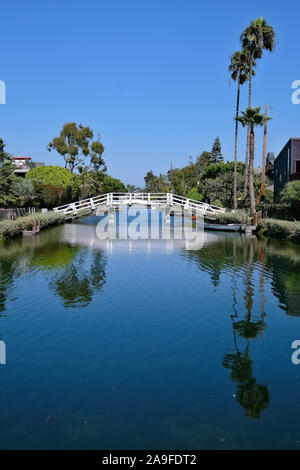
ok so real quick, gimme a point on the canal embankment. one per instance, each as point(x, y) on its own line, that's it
point(15, 228)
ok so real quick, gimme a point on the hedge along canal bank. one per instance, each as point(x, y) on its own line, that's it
point(14, 228)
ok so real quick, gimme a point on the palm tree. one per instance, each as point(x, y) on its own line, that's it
point(252, 118)
point(255, 38)
point(239, 69)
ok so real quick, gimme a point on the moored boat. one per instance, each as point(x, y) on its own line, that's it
point(223, 227)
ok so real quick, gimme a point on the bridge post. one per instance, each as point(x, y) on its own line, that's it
point(167, 214)
point(74, 208)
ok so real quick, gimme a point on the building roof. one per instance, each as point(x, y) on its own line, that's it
point(22, 158)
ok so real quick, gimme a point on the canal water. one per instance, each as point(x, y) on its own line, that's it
point(148, 344)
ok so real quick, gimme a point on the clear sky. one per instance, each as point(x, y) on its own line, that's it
point(149, 75)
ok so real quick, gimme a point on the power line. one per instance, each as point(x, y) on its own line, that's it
point(282, 112)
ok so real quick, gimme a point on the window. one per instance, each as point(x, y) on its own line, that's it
point(297, 166)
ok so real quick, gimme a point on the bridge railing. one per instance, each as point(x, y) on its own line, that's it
point(153, 199)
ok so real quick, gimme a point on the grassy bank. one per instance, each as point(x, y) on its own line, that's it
point(283, 229)
point(14, 228)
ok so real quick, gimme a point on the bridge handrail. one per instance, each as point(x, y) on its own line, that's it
point(108, 199)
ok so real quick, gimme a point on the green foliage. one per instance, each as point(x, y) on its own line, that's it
point(234, 217)
point(194, 194)
point(8, 194)
point(239, 67)
point(55, 175)
point(278, 211)
point(12, 228)
point(257, 37)
point(252, 118)
point(216, 152)
point(156, 184)
point(282, 229)
point(218, 188)
point(184, 179)
point(74, 144)
point(203, 161)
point(112, 185)
point(51, 196)
point(222, 168)
point(291, 195)
point(54, 185)
point(26, 191)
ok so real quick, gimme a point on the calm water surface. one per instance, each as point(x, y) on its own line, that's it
point(147, 344)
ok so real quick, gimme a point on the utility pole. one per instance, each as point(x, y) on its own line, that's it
point(263, 170)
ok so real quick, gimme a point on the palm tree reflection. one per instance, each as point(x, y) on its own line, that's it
point(253, 397)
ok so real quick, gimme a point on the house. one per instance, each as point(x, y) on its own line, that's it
point(23, 165)
point(286, 166)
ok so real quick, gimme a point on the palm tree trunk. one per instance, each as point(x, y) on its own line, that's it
point(235, 147)
point(251, 164)
point(248, 130)
point(246, 166)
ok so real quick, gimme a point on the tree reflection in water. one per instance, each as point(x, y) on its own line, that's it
point(78, 281)
point(253, 397)
point(73, 272)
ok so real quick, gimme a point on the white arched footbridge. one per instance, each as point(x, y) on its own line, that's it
point(110, 201)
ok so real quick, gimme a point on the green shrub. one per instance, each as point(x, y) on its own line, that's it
point(51, 196)
point(194, 194)
point(59, 177)
point(234, 217)
point(13, 228)
point(277, 211)
point(283, 229)
point(291, 195)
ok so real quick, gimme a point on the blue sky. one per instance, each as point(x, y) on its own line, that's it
point(150, 76)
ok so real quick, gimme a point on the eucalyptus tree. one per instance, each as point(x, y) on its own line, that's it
point(239, 71)
point(256, 38)
point(75, 143)
point(252, 118)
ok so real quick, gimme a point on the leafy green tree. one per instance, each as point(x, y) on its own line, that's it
point(216, 151)
point(239, 71)
point(74, 144)
point(156, 184)
point(194, 194)
point(203, 161)
point(112, 185)
point(96, 182)
point(252, 118)
point(8, 194)
point(184, 179)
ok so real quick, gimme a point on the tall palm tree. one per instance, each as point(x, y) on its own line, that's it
point(239, 70)
point(255, 38)
point(252, 118)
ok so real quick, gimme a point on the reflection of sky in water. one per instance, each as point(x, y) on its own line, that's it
point(145, 344)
